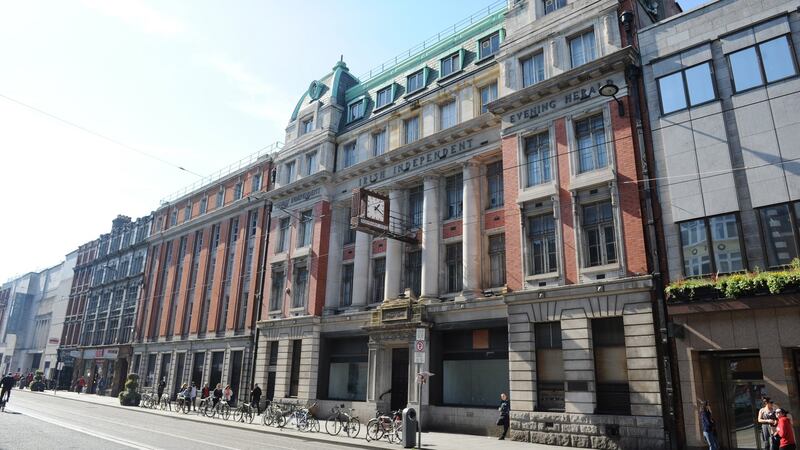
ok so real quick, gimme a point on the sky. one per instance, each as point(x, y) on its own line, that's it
point(106, 107)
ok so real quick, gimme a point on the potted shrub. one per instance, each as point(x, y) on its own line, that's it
point(38, 382)
point(129, 397)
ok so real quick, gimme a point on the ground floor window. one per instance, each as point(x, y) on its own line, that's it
point(294, 374)
point(236, 373)
point(474, 366)
point(197, 369)
point(344, 369)
point(151, 370)
point(611, 366)
point(217, 360)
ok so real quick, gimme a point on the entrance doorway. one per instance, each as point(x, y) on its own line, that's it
point(399, 378)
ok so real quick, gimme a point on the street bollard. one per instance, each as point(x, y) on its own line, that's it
point(409, 439)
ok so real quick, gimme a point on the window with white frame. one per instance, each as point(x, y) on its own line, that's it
point(689, 87)
point(447, 115)
point(305, 229)
point(276, 290)
point(453, 267)
point(532, 69)
point(346, 292)
point(187, 212)
point(488, 95)
point(552, 5)
point(582, 48)
point(537, 159)
point(311, 163)
point(220, 197)
point(454, 186)
point(379, 143)
point(450, 65)
point(489, 45)
point(256, 183)
point(173, 218)
point(541, 231)
point(283, 235)
point(306, 125)
point(383, 97)
point(763, 63)
point(497, 260)
point(349, 154)
point(238, 189)
point(203, 205)
point(411, 129)
point(494, 184)
point(723, 255)
point(356, 110)
point(590, 137)
point(289, 172)
point(300, 284)
point(599, 236)
point(415, 81)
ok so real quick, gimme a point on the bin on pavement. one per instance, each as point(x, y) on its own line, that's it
point(409, 439)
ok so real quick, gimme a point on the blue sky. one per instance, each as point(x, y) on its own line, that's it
point(199, 83)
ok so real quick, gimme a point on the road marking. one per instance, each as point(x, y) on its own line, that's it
point(79, 429)
point(173, 435)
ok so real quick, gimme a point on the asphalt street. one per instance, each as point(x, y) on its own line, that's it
point(33, 421)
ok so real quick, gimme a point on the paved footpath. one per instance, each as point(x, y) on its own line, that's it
point(36, 405)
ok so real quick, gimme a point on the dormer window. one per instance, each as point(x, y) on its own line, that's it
point(355, 110)
point(385, 97)
point(306, 125)
point(450, 65)
point(415, 81)
point(489, 45)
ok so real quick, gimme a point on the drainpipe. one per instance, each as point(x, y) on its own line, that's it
point(629, 22)
point(260, 289)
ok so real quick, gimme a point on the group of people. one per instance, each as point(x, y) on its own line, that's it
point(188, 393)
point(775, 424)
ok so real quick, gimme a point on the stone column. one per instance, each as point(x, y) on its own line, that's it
point(431, 233)
point(361, 269)
point(394, 249)
point(471, 234)
point(334, 278)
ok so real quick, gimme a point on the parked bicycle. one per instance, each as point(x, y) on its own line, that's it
point(183, 404)
point(384, 426)
point(244, 413)
point(341, 420)
point(221, 409)
point(164, 403)
point(148, 400)
point(302, 418)
point(273, 415)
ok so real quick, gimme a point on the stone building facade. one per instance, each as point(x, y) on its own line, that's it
point(202, 277)
point(723, 90)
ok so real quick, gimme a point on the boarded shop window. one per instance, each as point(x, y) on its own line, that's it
point(611, 366)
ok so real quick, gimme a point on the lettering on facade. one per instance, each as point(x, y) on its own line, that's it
point(417, 162)
point(299, 198)
point(569, 99)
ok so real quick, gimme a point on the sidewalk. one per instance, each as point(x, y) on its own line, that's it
point(432, 440)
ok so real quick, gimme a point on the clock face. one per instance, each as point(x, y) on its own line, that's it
point(376, 209)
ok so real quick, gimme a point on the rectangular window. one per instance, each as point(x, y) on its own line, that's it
point(347, 285)
point(550, 6)
point(416, 201)
point(220, 197)
point(763, 63)
point(454, 185)
point(453, 265)
point(599, 238)
point(415, 81)
point(294, 371)
point(283, 235)
point(378, 278)
point(413, 271)
point(411, 129)
point(779, 227)
point(549, 366)
point(494, 181)
point(497, 260)
point(724, 255)
point(488, 95)
point(691, 87)
point(447, 115)
point(610, 366)
point(379, 143)
point(289, 172)
point(344, 365)
point(311, 163)
point(151, 370)
point(349, 232)
point(591, 142)
point(489, 45)
point(276, 291)
point(582, 49)
point(384, 97)
point(173, 218)
point(238, 191)
point(306, 126)
point(187, 212)
point(203, 205)
point(305, 229)
point(349, 156)
point(300, 285)
point(217, 363)
point(537, 156)
point(474, 367)
point(355, 111)
point(533, 70)
point(450, 65)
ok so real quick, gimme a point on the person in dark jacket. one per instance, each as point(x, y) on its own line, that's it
point(161, 386)
point(7, 384)
point(505, 413)
point(255, 398)
point(709, 427)
point(217, 393)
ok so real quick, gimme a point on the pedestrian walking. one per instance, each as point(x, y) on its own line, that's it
point(6, 385)
point(767, 419)
point(505, 413)
point(709, 427)
point(161, 386)
point(227, 394)
point(784, 431)
point(81, 384)
point(193, 396)
point(255, 398)
point(206, 392)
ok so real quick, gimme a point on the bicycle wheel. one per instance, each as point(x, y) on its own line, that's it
point(333, 425)
point(280, 420)
point(225, 412)
point(313, 424)
point(374, 430)
point(249, 415)
point(353, 427)
point(398, 432)
point(237, 415)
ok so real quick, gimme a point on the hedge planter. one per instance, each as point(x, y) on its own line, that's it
point(129, 397)
point(751, 284)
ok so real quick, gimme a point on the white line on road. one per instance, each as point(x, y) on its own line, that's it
point(79, 429)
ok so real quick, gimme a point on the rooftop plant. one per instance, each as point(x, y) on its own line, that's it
point(737, 285)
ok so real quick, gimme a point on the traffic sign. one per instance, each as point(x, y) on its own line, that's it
point(420, 346)
point(419, 358)
point(420, 334)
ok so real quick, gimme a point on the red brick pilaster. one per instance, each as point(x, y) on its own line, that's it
point(200, 282)
point(318, 258)
point(513, 226)
point(570, 249)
